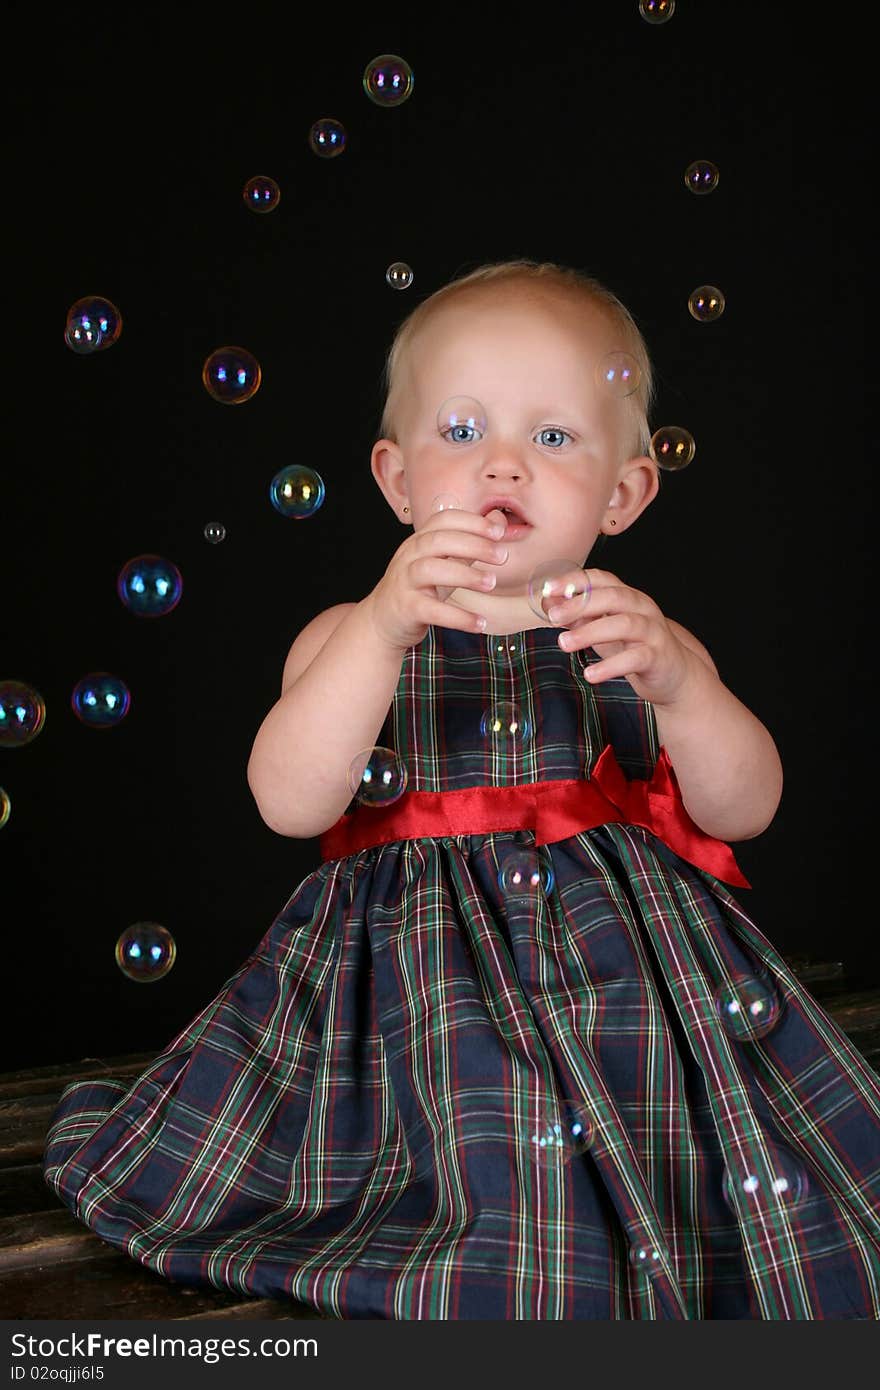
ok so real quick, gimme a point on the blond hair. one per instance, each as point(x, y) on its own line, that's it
point(539, 275)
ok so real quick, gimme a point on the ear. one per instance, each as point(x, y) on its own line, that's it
point(386, 463)
point(637, 486)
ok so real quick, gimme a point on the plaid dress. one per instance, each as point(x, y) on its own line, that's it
point(477, 1076)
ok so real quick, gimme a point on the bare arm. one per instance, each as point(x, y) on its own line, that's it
point(329, 712)
point(726, 763)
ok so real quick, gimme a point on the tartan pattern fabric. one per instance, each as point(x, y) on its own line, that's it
point(421, 1097)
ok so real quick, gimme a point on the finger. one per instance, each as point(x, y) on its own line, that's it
point(626, 663)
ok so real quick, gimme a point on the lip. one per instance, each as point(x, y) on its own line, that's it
point(515, 530)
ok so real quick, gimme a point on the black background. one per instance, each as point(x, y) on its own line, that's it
point(558, 135)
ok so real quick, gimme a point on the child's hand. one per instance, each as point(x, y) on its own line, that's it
point(628, 632)
point(427, 567)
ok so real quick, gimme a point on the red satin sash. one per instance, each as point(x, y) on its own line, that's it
point(553, 810)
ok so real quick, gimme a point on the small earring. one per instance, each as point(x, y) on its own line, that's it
point(406, 509)
point(612, 523)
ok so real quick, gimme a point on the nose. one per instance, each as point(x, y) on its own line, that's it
point(504, 459)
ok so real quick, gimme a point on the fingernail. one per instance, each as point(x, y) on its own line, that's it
point(496, 530)
point(555, 614)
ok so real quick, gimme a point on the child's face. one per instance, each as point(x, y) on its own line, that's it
point(552, 439)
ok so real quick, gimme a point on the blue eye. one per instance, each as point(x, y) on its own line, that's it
point(456, 431)
point(554, 429)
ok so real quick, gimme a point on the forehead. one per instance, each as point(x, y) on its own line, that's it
point(519, 338)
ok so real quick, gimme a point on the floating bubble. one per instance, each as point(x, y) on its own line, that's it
point(672, 447)
point(446, 502)
point(145, 952)
point(215, 532)
point(328, 138)
point(399, 276)
point(388, 80)
point(100, 700)
point(777, 1183)
point(506, 725)
point(5, 807)
point(555, 583)
point(93, 324)
point(506, 648)
point(296, 491)
point(261, 193)
point(656, 11)
point(231, 375)
point(561, 1135)
point(748, 1008)
point(701, 176)
point(461, 414)
point(706, 304)
point(645, 1254)
point(377, 776)
point(523, 875)
point(619, 374)
point(149, 586)
point(22, 713)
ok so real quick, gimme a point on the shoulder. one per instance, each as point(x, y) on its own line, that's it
point(688, 639)
point(310, 640)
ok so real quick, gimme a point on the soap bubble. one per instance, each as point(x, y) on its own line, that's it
point(506, 725)
point(399, 276)
point(388, 80)
point(22, 713)
point(149, 586)
point(561, 1135)
point(231, 375)
point(522, 875)
point(261, 193)
point(93, 324)
point(5, 807)
point(460, 415)
point(557, 582)
point(296, 491)
point(701, 176)
point(706, 304)
point(748, 1007)
point(764, 1186)
point(656, 11)
point(100, 700)
point(506, 648)
point(145, 952)
point(328, 138)
point(619, 374)
point(672, 447)
point(645, 1254)
point(377, 776)
point(215, 532)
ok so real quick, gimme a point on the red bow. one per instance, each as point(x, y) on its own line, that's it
point(554, 810)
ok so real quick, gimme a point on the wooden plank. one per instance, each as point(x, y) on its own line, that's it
point(106, 1283)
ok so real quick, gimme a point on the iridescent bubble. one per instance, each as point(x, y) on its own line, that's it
point(231, 375)
point(656, 11)
point(377, 776)
point(701, 176)
point(672, 447)
point(766, 1185)
point(328, 137)
point(506, 725)
point(100, 700)
point(445, 502)
point(145, 952)
point(388, 80)
point(619, 374)
point(748, 1008)
point(645, 1254)
point(561, 1135)
point(506, 648)
point(5, 807)
point(93, 324)
point(215, 532)
point(297, 491)
point(559, 584)
point(22, 713)
point(149, 586)
point(261, 193)
point(461, 415)
point(523, 875)
point(706, 304)
point(399, 276)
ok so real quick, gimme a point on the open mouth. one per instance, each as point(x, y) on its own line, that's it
point(516, 526)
